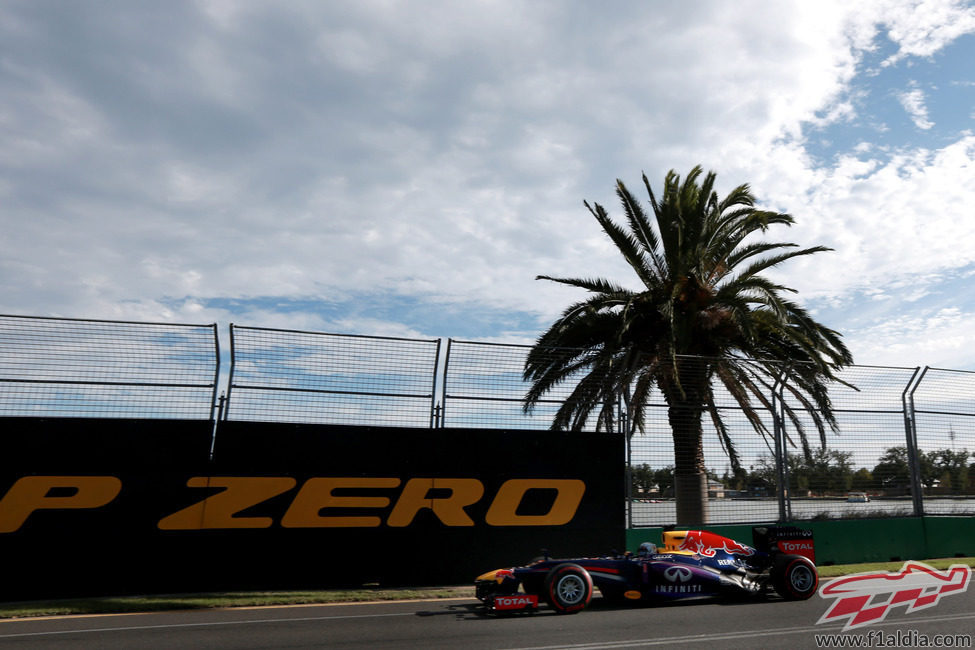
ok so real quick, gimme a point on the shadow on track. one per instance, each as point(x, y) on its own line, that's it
point(477, 611)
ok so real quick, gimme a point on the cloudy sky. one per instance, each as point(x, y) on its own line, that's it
point(407, 168)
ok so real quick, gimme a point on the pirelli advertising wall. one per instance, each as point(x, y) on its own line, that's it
point(138, 506)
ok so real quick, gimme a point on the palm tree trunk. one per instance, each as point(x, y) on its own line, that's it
point(690, 474)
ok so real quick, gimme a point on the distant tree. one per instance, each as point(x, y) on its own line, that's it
point(738, 480)
point(763, 476)
point(830, 471)
point(642, 479)
point(704, 315)
point(862, 480)
point(799, 472)
point(893, 471)
point(951, 467)
point(665, 479)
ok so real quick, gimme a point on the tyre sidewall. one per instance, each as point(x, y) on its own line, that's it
point(784, 577)
point(556, 578)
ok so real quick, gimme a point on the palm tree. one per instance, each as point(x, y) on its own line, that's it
point(704, 315)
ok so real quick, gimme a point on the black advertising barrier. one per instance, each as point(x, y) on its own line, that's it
point(293, 506)
point(80, 498)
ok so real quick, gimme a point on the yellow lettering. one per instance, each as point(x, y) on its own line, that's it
point(316, 495)
point(32, 493)
point(218, 510)
point(504, 508)
point(450, 509)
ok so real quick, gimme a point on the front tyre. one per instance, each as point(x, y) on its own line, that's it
point(568, 588)
point(794, 577)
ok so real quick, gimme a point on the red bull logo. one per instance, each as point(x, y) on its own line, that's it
point(707, 544)
point(866, 598)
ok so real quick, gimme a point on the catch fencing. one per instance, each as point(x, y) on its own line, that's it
point(61, 367)
point(903, 444)
point(308, 377)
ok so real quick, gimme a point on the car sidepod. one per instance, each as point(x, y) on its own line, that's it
point(680, 577)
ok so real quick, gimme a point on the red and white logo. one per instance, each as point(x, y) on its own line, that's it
point(800, 547)
point(866, 598)
point(519, 601)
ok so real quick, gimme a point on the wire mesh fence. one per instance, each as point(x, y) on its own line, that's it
point(891, 425)
point(55, 367)
point(902, 443)
point(483, 387)
point(943, 404)
point(887, 455)
point(292, 376)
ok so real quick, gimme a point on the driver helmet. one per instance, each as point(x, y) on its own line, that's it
point(647, 548)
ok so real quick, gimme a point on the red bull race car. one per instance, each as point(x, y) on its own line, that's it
point(691, 564)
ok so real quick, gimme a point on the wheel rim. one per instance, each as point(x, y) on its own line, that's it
point(801, 578)
point(571, 589)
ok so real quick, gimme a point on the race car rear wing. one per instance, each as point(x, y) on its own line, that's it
point(784, 539)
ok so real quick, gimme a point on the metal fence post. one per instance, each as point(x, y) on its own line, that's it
point(910, 430)
point(781, 449)
point(216, 409)
point(628, 477)
point(434, 407)
point(216, 371)
point(443, 384)
point(230, 374)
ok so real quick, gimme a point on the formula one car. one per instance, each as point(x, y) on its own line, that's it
point(692, 564)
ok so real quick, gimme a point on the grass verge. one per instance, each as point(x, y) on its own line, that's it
point(846, 569)
point(131, 604)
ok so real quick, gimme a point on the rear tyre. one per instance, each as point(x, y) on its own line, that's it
point(794, 577)
point(568, 588)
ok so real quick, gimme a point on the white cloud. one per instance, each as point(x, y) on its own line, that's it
point(944, 339)
point(923, 27)
point(913, 102)
point(328, 151)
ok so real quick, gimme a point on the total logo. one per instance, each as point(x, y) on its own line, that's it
point(677, 574)
point(793, 547)
point(521, 601)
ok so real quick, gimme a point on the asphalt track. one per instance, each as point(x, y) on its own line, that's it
point(460, 624)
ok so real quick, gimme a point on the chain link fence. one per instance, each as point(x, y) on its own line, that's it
point(903, 442)
point(308, 377)
point(942, 406)
point(58, 367)
point(483, 387)
point(901, 447)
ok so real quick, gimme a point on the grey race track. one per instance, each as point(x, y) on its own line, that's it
point(459, 624)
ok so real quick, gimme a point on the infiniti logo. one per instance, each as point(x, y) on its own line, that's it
point(677, 574)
